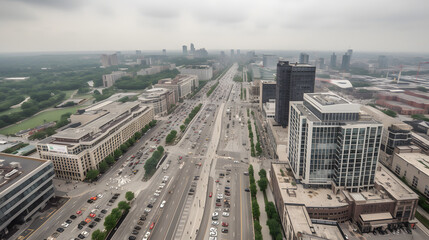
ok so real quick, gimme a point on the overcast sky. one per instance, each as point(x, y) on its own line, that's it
point(331, 25)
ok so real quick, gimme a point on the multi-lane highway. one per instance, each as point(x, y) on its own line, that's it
point(211, 145)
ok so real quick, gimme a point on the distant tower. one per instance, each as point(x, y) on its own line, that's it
point(185, 50)
point(164, 52)
point(303, 58)
point(321, 62)
point(238, 52)
point(382, 62)
point(333, 60)
point(232, 53)
point(293, 80)
point(345, 63)
point(192, 48)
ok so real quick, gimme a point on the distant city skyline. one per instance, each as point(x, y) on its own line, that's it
point(60, 25)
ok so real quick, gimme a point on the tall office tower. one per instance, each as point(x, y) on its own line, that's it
point(138, 52)
point(269, 61)
point(222, 54)
point(350, 53)
point(109, 60)
point(232, 53)
point(164, 52)
point(192, 48)
point(185, 50)
point(333, 60)
point(303, 58)
point(293, 80)
point(345, 64)
point(238, 52)
point(331, 143)
point(382, 62)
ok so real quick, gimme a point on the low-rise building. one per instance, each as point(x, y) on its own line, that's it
point(182, 85)
point(388, 204)
point(110, 79)
point(413, 166)
point(203, 72)
point(269, 109)
point(25, 187)
point(161, 99)
point(101, 129)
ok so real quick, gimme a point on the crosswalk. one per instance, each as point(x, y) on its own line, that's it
point(184, 217)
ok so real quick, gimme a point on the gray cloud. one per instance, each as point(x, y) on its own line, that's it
point(58, 4)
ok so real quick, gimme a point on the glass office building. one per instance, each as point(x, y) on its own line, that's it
point(332, 143)
point(25, 187)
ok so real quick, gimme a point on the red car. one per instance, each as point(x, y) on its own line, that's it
point(225, 224)
point(87, 220)
point(93, 198)
point(217, 181)
point(79, 212)
point(218, 204)
point(92, 215)
point(180, 157)
point(211, 194)
point(152, 226)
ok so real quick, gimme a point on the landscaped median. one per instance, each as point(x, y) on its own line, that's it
point(255, 206)
point(152, 162)
point(210, 91)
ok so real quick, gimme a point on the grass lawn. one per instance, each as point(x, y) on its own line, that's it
point(12, 110)
point(68, 94)
point(422, 219)
point(39, 119)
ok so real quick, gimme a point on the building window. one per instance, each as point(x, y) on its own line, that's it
point(398, 170)
point(426, 193)
point(415, 182)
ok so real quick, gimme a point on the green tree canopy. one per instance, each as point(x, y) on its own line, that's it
point(129, 196)
point(124, 205)
point(103, 166)
point(92, 174)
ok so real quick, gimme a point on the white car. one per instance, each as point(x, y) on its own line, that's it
point(220, 196)
point(147, 209)
point(146, 236)
point(65, 225)
point(162, 204)
point(85, 233)
point(158, 191)
point(215, 223)
point(236, 161)
point(156, 194)
point(225, 214)
point(215, 214)
point(161, 186)
point(99, 195)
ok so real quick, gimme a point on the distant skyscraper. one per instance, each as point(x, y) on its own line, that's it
point(345, 64)
point(164, 52)
point(232, 52)
point(270, 61)
point(222, 54)
point(293, 80)
point(185, 50)
point(138, 52)
point(303, 58)
point(238, 52)
point(350, 53)
point(192, 48)
point(382, 62)
point(332, 143)
point(333, 60)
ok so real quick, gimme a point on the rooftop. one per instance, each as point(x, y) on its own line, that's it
point(418, 160)
point(296, 194)
point(303, 224)
point(394, 186)
point(376, 216)
point(23, 166)
point(327, 98)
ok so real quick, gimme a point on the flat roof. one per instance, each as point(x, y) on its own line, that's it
point(27, 164)
point(296, 194)
point(393, 185)
point(402, 105)
point(418, 160)
point(376, 216)
point(407, 97)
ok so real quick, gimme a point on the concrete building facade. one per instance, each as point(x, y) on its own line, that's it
point(332, 143)
point(203, 72)
point(182, 85)
point(103, 128)
point(110, 79)
point(25, 187)
point(267, 91)
point(161, 99)
point(109, 60)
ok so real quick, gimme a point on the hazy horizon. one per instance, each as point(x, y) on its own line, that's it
point(333, 25)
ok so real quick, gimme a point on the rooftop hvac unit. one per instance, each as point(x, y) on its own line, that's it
point(15, 165)
point(11, 174)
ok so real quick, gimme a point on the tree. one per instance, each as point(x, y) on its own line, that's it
point(270, 208)
point(117, 153)
point(124, 205)
point(103, 166)
point(124, 148)
point(258, 236)
point(117, 213)
point(253, 189)
point(92, 174)
point(257, 226)
point(263, 183)
point(255, 209)
point(182, 128)
point(274, 226)
point(251, 169)
point(262, 173)
point(129, 195)
point(258, 148)
point(110, 222)
point(160, 149)
point(279, 236)
point(110, 160)
point(98, 235)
